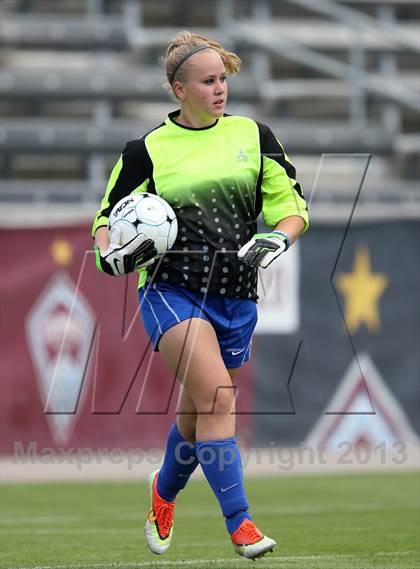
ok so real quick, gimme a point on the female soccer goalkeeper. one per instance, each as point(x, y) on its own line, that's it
point(198, 302)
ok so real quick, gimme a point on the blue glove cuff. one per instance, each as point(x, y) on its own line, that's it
point(286, 238)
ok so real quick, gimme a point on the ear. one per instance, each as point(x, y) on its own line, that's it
point(179, 90)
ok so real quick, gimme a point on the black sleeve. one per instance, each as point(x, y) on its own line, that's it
point(134, 169)
point(272, 148)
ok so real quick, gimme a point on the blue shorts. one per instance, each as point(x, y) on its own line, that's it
point(233, 319)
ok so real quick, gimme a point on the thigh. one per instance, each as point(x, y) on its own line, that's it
point(191, 350)
point(163, 306)
point(233, 372)
point(234, 321)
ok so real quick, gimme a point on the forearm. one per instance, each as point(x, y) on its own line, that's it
point(292, 226)
point(102, 238)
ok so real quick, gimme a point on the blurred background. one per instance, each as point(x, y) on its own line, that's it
point(336, 357)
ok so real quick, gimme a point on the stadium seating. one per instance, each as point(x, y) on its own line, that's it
point(80, 78)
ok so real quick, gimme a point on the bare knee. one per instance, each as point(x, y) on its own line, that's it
point(217, 421)
point(218, 401)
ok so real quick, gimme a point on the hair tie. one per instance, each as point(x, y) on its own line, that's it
point(187, 56)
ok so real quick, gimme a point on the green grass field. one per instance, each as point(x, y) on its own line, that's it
point(326, 522)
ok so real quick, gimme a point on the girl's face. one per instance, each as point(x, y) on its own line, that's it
point(203, 95)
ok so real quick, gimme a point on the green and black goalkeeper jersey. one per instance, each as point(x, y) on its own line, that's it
point(218, 180)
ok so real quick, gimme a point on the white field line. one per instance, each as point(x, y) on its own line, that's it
point(65, 531)
point(307, 510)
point(216, 562)
point(289, 511)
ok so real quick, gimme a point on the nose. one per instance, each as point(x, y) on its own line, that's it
point(219, 86)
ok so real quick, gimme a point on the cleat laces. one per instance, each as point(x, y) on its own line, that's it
point(164, 516)
point(252, 534)
point(249, 532)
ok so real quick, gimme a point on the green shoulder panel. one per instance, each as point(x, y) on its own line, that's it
point(279, 196)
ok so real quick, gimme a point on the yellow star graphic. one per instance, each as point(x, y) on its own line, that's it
point(362, 289)
point(62, 252)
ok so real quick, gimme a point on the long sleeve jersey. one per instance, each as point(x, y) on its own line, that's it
point(218, 179)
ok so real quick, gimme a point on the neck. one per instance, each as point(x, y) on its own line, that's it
point(187, 118)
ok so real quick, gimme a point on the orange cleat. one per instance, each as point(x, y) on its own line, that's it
point(160, 521)
point(249, 542)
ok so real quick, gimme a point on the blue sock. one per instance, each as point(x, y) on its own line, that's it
point(179, 463)
point(222, 466)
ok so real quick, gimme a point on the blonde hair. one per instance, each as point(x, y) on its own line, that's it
point(179, 48)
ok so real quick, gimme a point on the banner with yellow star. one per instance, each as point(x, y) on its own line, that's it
point(359, 293)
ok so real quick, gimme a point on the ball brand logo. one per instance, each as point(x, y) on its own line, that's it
point(60, 329)
point(147, 214)
point(122, 206)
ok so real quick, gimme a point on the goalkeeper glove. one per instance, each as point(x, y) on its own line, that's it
point(263, 248)
point(120, 259)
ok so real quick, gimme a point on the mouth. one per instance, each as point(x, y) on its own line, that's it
point(219, 102)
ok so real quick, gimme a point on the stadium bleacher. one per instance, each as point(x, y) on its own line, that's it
point(80, 78)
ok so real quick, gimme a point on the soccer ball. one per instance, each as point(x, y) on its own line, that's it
point(148, 214)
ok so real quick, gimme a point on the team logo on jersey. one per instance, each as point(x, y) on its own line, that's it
point(242, 157)
point(363, 411)
point(60, 330)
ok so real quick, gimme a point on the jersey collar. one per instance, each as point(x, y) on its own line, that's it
point(171, 121)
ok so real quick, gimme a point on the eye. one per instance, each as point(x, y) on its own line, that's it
point(223, 78)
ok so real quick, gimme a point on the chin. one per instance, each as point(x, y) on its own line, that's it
point(218, 112)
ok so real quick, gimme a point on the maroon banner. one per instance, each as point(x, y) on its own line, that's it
point(76, 365)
